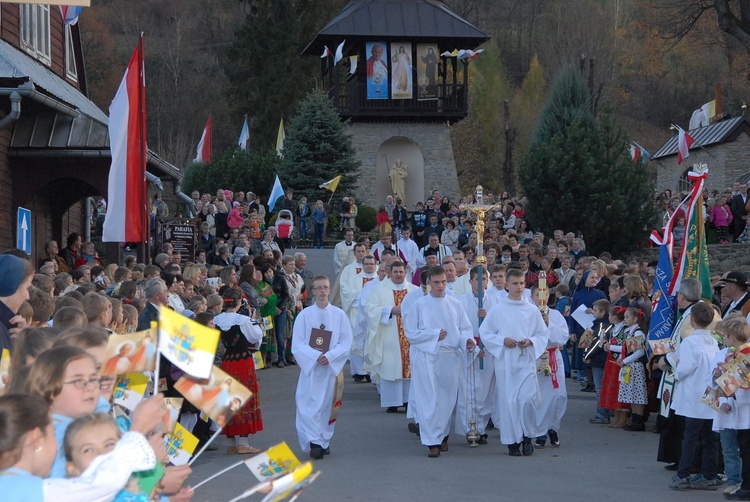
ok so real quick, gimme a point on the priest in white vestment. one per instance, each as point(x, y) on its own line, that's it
point(388, 349)
point(515, 334)
point(440, 333)
point(320, 373)
point(359, 329)
point(552, 387)
point(361, 280)
point(481, 364)
point(352, 267)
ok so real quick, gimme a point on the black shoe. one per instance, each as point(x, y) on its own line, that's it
point(672, 467)
point(434, 451)
point(326, 451)
point(392, 409)
point(526, 447)
point(514, 450)
point(588, 389)
point(359, 378)
point(291, 363)
point(539, 443)
point(490, 425)
point(739, 495)
point(413, 428)
point(367, 377)
point(567, 375)
point(553, 439)
point(316, 451)
point(482, 439)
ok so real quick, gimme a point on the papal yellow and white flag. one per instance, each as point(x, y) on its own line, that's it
point(187, 344)
point(331, 185)
point(180, 445)
point(272, 463)
point(288, 485)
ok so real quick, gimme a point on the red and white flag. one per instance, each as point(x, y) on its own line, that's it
point(127, 138)
point(203, 153)
point(684, 143)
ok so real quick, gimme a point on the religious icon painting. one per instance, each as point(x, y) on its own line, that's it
point(220, 396)
point(129, 353)
point(377, 70)
point(401, 71)
point(427, 70)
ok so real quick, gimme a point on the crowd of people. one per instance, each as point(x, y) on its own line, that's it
point(413, 313)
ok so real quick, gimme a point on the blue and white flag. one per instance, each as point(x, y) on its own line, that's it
point(663, 304)
point(244, 136)
point(276, 193)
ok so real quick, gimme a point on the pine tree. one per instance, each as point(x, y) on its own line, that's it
point(234, 170)
point(578, 175)
point(317, 149)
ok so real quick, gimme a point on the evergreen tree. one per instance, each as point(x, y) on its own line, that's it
point(317, 149)
point(267, 75)
point(578, 175)
point(234, 170)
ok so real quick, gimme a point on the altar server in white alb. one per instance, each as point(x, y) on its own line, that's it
point(440, 333)
point(515, 334)
point(479, 363)
point(551, 384)
point(319, 372)
point(388, 349)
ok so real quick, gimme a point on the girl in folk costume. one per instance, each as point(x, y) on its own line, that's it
point(611, 382)
point(240, 337)
point(632, 375)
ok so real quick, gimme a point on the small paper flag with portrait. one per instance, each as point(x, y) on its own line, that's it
point(220, 396)
point(4, 371)
point(129, 353)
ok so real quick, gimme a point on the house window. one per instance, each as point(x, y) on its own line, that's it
point(35, 37)
point(70, 56)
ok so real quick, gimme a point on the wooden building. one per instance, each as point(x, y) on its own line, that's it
point(54, 144)
point(404, 111)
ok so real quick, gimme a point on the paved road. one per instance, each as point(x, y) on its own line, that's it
point(375, 458)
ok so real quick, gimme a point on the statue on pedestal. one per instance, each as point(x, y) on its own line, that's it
point(397, 177)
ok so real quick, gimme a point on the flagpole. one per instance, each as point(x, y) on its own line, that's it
point(158, 355)
point(218, 474)
point(145, 254)
point(195, 457)
point(252, 491)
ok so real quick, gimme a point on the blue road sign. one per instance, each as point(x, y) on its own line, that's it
point(23, 230)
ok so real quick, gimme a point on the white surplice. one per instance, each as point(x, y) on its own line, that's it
point(317, 382)
point(435, 365)
point(409, 249)
point(483, 391)
point(383, 354)
point(351, 285)
point(518, 398)
point(554, 400)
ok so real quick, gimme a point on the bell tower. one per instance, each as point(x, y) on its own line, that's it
point(402, 81)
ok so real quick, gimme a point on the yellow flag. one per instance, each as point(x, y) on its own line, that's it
point(187, 344)
point(180, 445)
point(129, 390)
point(331, 185)
point(280, 137)
point(272, 463)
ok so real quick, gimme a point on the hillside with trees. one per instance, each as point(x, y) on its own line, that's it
point(646, 63)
